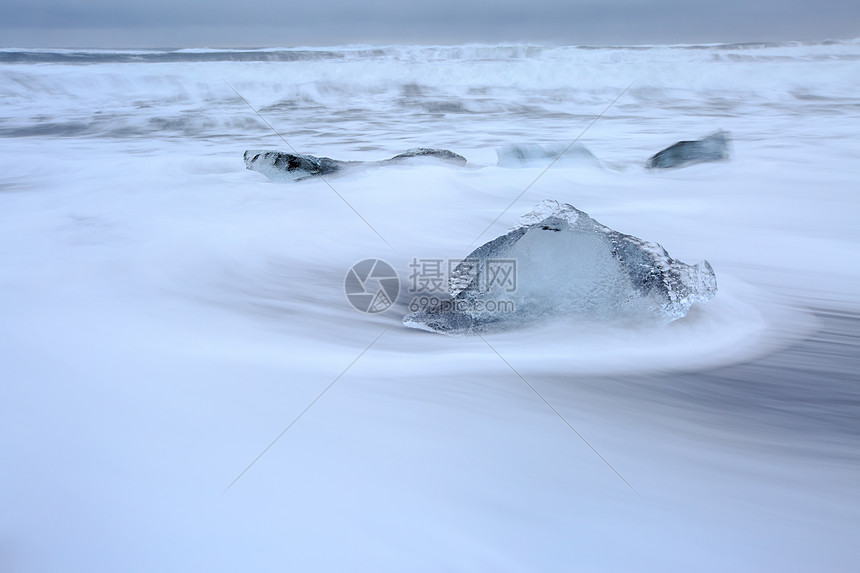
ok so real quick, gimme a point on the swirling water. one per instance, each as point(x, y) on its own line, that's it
point(166, 314)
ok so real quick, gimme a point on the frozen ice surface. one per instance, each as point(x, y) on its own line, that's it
point(559, 261)
point(714, 147)
point(531, 155)
point(282, 166)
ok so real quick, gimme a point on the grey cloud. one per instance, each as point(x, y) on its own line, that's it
point(257, 22)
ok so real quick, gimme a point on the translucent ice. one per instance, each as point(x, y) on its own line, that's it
point(532, 155)
point(560, 262)
point(714, 147)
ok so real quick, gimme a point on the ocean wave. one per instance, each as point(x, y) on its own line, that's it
point(13, 55)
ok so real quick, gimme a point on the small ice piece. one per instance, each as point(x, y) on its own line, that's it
point(281, 166)
point(442, 154)
point(560, 262)
point(533, 155)
point(714, 147)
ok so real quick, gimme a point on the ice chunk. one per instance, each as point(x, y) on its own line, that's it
point(443, 154)
point(280, 166)
point(532, 155)
point(714, 147)
point(560, 262)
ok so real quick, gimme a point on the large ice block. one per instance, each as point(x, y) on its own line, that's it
point(560, 262)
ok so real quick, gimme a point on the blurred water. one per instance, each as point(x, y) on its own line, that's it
point(164, 313)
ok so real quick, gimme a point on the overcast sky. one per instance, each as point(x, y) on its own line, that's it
point(224, 23)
